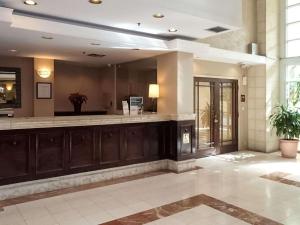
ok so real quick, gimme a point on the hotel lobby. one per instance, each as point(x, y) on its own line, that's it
point(149, 112)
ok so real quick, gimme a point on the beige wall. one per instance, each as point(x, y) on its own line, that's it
point(167, 79)
point(185, 82)
point(238, 40)
point(257, 108)
point(43, 107)
point(26, 66)
point(228, 71)
point(175, 77)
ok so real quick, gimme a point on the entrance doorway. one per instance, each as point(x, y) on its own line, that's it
point(216, 108)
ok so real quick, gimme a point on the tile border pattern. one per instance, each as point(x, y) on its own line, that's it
point(73, 180)
point(189, 203)
point(49, 194)
point(280, 178)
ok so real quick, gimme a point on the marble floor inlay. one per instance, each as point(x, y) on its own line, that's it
point(281, 178)
point(189, 203)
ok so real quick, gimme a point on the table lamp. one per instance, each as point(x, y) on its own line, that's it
point(153, 94)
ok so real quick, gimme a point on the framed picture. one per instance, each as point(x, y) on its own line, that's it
point(43, 90)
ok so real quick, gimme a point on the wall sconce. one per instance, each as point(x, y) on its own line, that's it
point(153, 93)
point(44, 73)
point(9, 86)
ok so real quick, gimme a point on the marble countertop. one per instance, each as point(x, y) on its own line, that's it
point(72, 121)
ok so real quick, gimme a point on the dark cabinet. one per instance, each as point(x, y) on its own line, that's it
point(186, 139)
point(41, 153)
point(81, 147)
point(135, 143)
point(154, 141)
point(110, 144)
point(50, 151)
point(182, 140)
point(14, 155)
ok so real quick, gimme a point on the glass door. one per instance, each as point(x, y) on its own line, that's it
point(216, 121)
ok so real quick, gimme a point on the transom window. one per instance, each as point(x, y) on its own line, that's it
point(291, 61)
point(293, 28)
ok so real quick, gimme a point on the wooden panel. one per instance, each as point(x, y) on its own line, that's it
point(41, 153)
point(135, 143)
point(154, 136)
point(14, 155)
point(50, 151)
point(178, 149)
point(110, 145)
point(82, 152)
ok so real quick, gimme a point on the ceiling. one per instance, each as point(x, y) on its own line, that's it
point(30, 44)
point(74, 25)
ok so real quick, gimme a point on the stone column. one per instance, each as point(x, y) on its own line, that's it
point(175, 77)
point(264, 93)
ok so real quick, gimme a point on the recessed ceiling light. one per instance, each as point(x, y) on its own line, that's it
point(95, 1)
point(158, 15)
point(95, 44)
point(13, 50)
point(47, 37)
point(172, 30)
point(30, 2)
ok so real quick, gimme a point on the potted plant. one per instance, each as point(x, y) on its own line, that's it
point(287, 124)
point(77, 100)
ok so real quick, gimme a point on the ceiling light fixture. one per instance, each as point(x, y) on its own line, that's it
point(158, 15)
point(95, 2)
point(44, 73)
point(30, 2)
point(172, 30)
point(47, 37)
point(13, 50)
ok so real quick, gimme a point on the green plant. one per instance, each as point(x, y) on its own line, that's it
point(287, 122)
point(295, 93)
point(205, 116)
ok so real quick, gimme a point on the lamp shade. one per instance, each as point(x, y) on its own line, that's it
point(153, 91)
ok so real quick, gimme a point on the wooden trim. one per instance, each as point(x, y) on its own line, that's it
point(215, 114)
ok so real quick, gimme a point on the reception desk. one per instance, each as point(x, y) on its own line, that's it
point(38, 148)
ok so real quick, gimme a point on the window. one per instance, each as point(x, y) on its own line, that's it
point(291, 61)
point(293, 86)
point(293, 28)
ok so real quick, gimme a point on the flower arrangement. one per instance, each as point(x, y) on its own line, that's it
point(77, 100)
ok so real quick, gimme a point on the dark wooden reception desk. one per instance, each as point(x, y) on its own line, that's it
point(37, 148)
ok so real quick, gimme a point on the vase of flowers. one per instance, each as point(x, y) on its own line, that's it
point(77, 100)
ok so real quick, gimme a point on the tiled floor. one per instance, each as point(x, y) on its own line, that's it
point(233, 181)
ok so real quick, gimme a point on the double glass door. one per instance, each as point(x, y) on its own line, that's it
point(216, 108)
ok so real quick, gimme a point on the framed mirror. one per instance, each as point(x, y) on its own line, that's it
point(10, 87)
